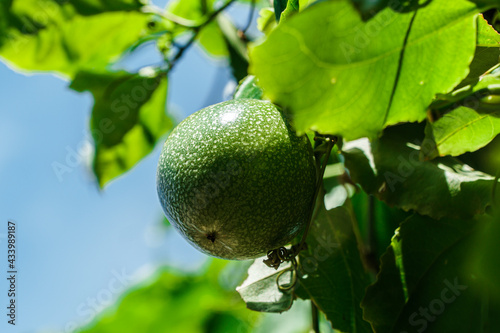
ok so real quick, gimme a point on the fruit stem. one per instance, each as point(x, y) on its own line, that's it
point(330, 142)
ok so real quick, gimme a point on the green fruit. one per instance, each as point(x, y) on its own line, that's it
point(235, 180)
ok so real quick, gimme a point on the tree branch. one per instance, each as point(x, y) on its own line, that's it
point(196, 30)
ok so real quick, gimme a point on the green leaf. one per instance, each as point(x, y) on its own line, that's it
point(92, 7)
point(212, 40)
point(53, 37)
point(423, 284)
point(485, 257)
point(248, 88)
point(377, 223)
point(193, 10)
point(470, 119)
point(368, 8)
point(266, 21)
point(177, 303)
point(212, 37)
point(279, 7)
point(390, 169)
point(487, 52)
point(237, 48)
point(487, 36)
point(462, 130)
point(128, 118)
point(260, 290)
point(165, 223)
point(292, 7)
point(335, 279)
point(342, 76)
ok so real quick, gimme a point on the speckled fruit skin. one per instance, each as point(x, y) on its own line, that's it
point(235, 180)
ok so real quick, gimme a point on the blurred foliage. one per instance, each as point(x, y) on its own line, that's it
point(204, 301)
point(175, 302)
point(128, 118)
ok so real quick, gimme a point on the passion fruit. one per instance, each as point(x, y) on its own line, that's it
point(236, 180)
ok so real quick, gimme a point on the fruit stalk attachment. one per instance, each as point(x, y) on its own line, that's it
point(323, 146)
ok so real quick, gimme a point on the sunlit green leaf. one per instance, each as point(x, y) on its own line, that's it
point(44, 35)
point(487, 52)
point(248, 88)
point(260, 290)
point(390, 169)
point(190, 9)
point(218, 39)
point(423, 286)
point(128, 118)
point(462, 130)
point(335, 279)
point(212, 40)
point(487, 36)
point(92, 7)
point(470, 120)
point(210, 37)
point(266, 21)
point(340, 75)
point(189, 13)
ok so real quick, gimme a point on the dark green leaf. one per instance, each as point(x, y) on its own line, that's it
point(485, 258)
point(279, 6)
point(342, 76)
point(260, 290)
point(369, 8)
point(48, 36)
point(377, 223)
point(128, 118)
point(92, 7)
point(237, 48)
point(390, 169)
point(248, 88)
point(292, 7)
point(422, 285)
point(335, 279)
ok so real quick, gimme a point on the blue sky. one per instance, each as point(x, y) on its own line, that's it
point(78, 247)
